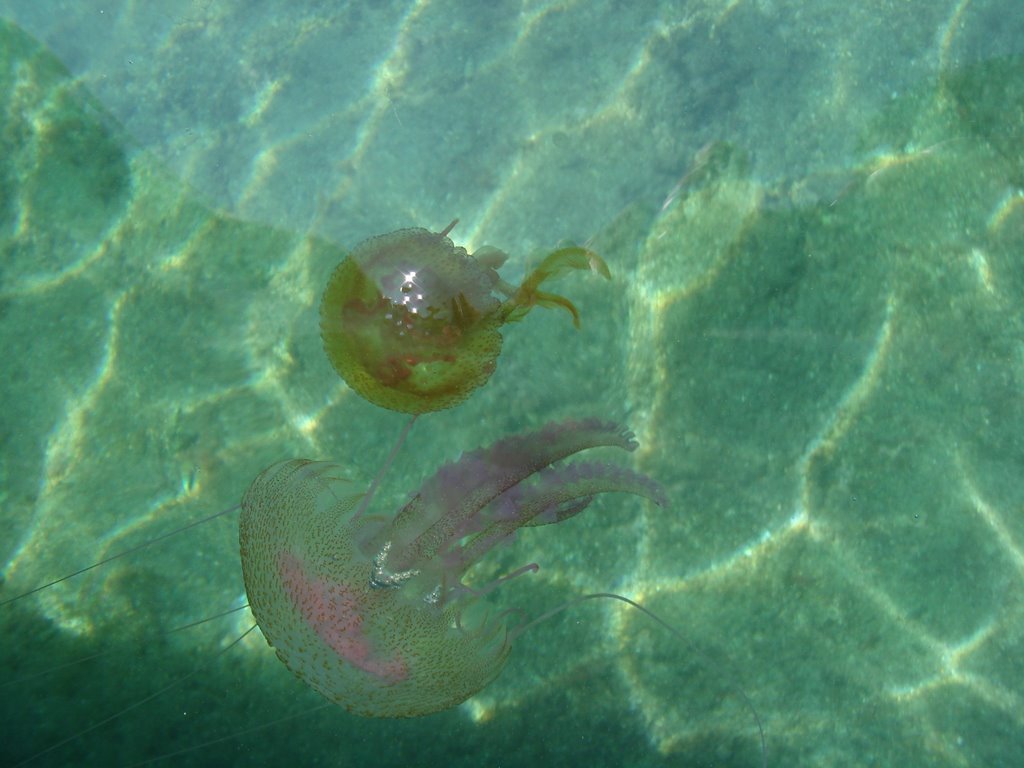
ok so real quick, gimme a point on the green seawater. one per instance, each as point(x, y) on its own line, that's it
point(814, 218)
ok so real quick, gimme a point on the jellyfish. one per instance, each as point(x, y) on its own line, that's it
point(373, 612)
point(376, 613)
point(411, 321)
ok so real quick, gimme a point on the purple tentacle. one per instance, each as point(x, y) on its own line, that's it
point(459, 490)
point(554, 495)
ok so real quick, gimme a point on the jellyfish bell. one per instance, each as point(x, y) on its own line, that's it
point(411, 321)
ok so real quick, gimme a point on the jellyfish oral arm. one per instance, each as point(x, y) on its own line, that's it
point(556, 264)
point(479, 502)
point(448, 506)
point(557, 495)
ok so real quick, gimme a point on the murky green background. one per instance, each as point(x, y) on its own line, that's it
point(814, 213)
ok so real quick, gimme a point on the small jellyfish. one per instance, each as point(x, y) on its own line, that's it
point(411, 321)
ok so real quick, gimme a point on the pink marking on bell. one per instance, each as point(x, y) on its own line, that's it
point(333, 611)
